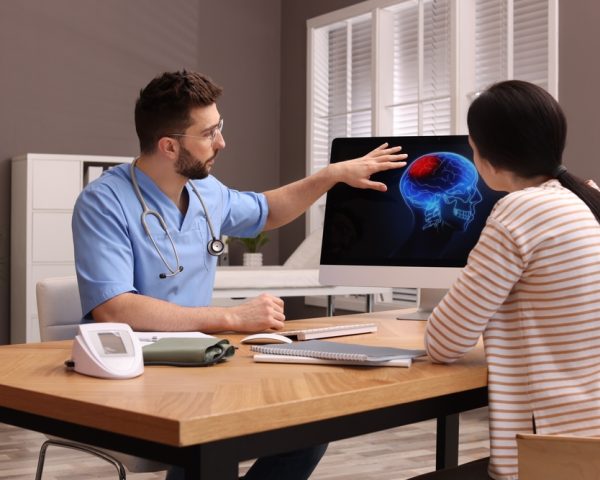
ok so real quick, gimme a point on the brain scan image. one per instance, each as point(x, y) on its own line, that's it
point(431, 214)
point(441, 190)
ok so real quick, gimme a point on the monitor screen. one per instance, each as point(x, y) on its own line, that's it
point(417, 234)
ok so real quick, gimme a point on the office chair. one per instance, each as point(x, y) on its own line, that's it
point(556, 457)
point(59, 312)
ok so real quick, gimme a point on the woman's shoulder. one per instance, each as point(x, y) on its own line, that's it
point(531, 202)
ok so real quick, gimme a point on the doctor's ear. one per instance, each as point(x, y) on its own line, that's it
point(168, 146)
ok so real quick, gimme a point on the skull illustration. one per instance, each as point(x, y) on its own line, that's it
point(442, 186)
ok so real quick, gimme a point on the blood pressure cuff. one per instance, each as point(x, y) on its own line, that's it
point(187, 352)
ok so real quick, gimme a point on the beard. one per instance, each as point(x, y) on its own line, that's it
point(190, 167)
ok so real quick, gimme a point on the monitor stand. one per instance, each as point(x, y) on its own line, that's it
point(427, 300)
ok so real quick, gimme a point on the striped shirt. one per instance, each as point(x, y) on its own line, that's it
point(532, 288)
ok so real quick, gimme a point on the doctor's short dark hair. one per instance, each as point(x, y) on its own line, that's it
point(164, 105)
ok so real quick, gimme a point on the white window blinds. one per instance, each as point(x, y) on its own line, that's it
point(512, 41)
point(342, 85)
point(531, 41)
point(422, 68)
point(491, 45)
point(410, 67)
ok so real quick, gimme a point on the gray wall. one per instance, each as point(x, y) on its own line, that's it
point(294, 14)
point(579, 93)
point(70, 71)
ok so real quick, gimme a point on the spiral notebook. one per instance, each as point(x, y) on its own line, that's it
point(337, 352)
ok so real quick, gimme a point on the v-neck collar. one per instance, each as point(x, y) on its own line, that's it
point(165, 205)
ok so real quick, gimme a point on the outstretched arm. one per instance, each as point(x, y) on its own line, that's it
point(290, 201)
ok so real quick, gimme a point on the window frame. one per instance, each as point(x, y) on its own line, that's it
point(462, 90)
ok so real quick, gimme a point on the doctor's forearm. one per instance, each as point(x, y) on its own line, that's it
point(145, 313)
point(290, 201)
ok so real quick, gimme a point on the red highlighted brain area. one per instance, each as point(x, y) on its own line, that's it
point(424, 167)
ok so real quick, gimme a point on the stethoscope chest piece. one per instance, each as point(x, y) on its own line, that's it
point(215, 247)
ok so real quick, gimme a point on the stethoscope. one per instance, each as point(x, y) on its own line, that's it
point(215, 246)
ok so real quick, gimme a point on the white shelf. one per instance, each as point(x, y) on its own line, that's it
point(44, 190)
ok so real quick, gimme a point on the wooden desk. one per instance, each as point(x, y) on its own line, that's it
point(209, 419)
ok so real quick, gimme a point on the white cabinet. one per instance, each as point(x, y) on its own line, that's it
point(44, 190)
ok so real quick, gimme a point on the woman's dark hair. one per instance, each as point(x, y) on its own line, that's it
point(519, 127)
point(164, 105)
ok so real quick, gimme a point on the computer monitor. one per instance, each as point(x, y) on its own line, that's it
point(417, 234)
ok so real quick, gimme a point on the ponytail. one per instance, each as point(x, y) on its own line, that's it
point(588, 194)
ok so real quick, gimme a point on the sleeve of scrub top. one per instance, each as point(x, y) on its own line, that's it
point(244, 213)
point(103, 253)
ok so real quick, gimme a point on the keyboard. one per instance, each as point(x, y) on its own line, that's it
point(328, 332)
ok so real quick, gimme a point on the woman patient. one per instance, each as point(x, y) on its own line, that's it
point(531, 286)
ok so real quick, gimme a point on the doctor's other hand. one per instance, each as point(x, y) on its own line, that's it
point(257, 314)
point(357, 173)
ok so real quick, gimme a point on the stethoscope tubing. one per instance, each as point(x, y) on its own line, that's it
point(215, 246)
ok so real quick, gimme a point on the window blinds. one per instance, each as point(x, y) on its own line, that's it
point(531, 41)
point(422, 68)
point(511, 41)
point(491, 59)
point(341, 85)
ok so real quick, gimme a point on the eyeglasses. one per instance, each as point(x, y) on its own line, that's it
point(210, 134)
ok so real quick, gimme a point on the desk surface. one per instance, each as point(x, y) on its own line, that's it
point(187, 406)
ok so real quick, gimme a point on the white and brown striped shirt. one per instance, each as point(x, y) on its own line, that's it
point(532, 288)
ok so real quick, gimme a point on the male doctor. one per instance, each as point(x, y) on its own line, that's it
point(146, 235)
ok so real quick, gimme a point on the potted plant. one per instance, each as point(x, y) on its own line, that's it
point(252, 256)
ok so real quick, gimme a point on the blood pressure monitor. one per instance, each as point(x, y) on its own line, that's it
point(107, 350)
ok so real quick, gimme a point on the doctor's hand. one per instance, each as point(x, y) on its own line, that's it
point(357, 173)
point(258, 314)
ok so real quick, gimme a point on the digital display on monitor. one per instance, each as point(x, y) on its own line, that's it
point(112, 343)
point(431, 215)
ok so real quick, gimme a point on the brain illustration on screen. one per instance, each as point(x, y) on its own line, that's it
point(442, 186)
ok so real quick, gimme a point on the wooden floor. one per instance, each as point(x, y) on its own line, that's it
point(394, 454)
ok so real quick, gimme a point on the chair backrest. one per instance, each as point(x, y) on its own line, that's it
point(308, 253)
point(59, 308)
point(554, 457)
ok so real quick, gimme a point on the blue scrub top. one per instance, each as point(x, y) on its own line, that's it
point(113, 254)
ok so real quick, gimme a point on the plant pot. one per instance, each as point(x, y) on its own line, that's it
point(253, 260)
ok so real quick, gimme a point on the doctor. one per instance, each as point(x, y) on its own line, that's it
point(146, 235)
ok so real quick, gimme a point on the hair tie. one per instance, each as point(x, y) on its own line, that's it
point(558, 171)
